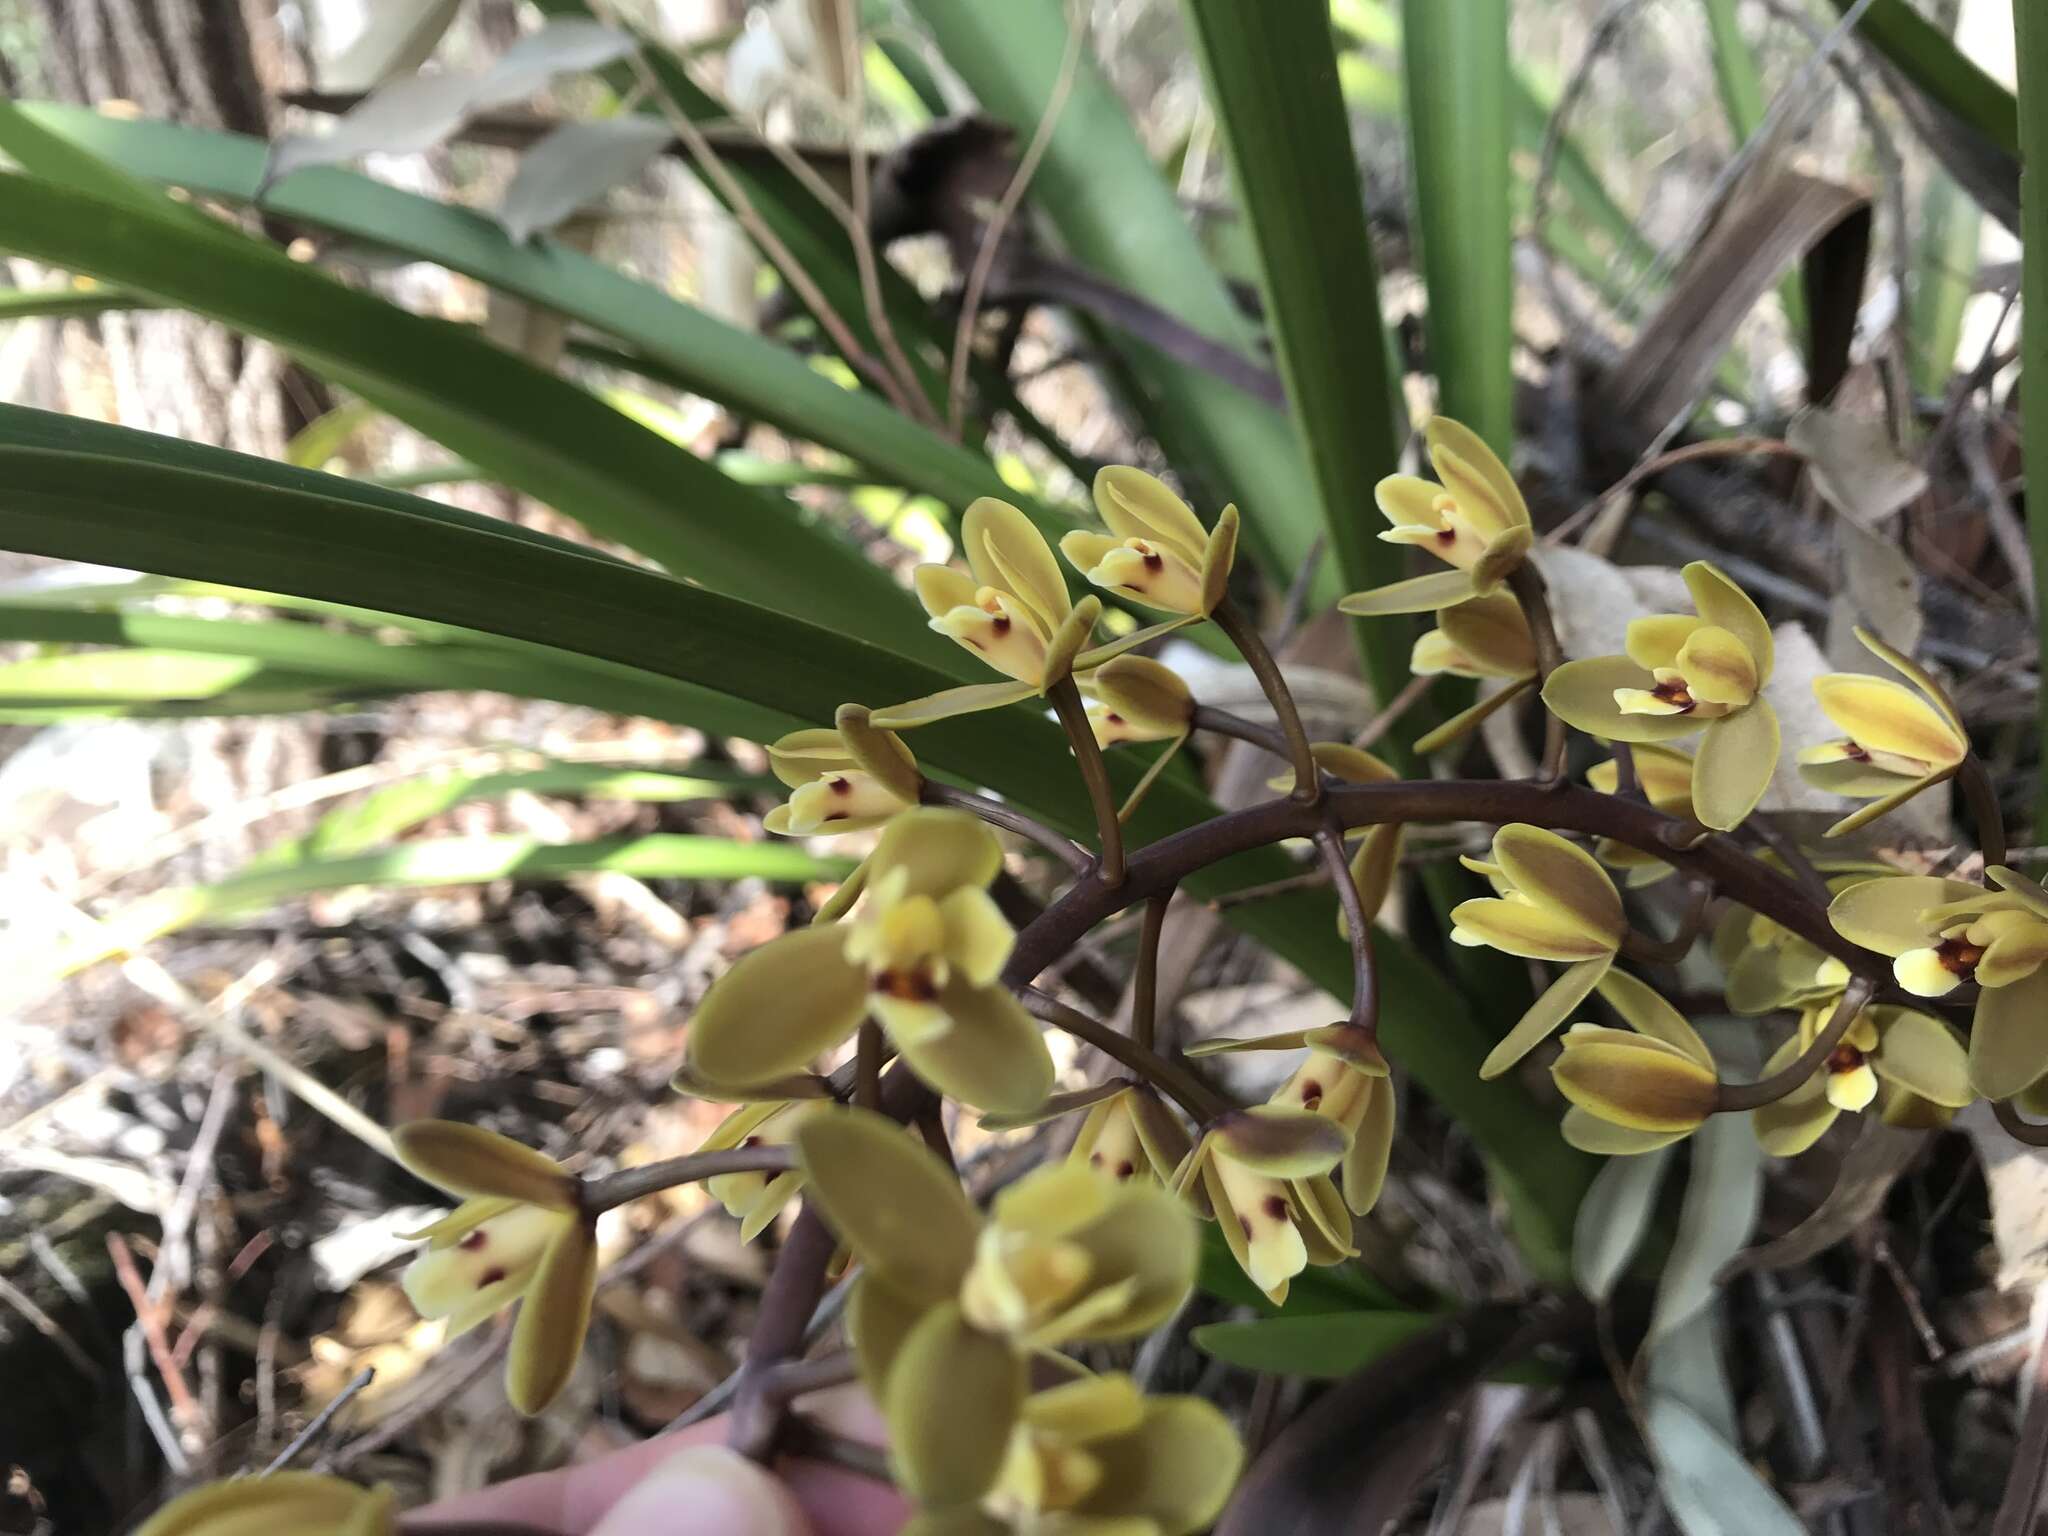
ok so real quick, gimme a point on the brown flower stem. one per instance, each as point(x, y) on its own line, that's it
point(1365, 990)
point(867, 1068)
point(1645, 950)
point(1786, 846)
point(1222, 722)
point(652, 1178)
point(1526, 582)
point(811, 1440)
point(1732, 1098)
point(1145, 983)
point(794, 1378)
point(1308, 782)
point(1070, 853)
point(1066, 702)
point(1626, 781)
point(1201, 1101)
point(2033, 1133)
point(794, 1286)
point(1731, 870)
point(1982, 799)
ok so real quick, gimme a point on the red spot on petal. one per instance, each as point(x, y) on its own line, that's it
point(1002, 624)
point(1311, 1093)
point(1245, 1223)
point(489, 1278)
point(1854, 753)
point(840, 785)
point(906, 986)
point(1275, 1206)
point(1124, 1169)
point(473, 1241)
point(1154, 561)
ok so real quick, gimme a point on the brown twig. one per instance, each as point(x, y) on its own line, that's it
point(1732, 1098)
point(1397, 706)
point(997, 814)
point(1365, 991)
point(628, 1184)
point(1066, 703)
point(1714, 448)
point(1308, 780)
point(1145, 981)
point(1531, 591)
point(150, 1315)
point(1645, 950)
point(867, 1064)
point(1192, 1094)
point(999, 221)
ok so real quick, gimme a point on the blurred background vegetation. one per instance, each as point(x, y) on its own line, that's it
point(412, 788)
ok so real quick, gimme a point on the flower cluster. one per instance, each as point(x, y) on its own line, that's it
point(950, 1310)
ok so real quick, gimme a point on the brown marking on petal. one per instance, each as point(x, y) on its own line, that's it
point(1675, 693)
point(1854, 753)
point(1114, 718)
point(751, 1141)
point(1154, 561)
point(1124, 1169)
point(489, 1278)
point(473, 1241)
point(1447, 535)
point(1960, 956)
point(1094, 1159)
point(906, 986)
point(1311, 1094)
point(1001, 625)
point(1845, 1058)
point(840, 785)
point(1275, 1206)
point(1245, 1225)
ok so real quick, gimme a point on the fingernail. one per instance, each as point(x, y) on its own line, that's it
point(703, 1490)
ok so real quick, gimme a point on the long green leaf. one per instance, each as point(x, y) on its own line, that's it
point(284, 656)
point(1272, 73)
point(391, 812)
point(1916, 47)
point(1118, 217)
point(1322, 1347)
point(448, 861)
point(275, 530)
point(2032, 45)
point(65, 303)
point(747, 372)
point(1455, 54)
point(527, 427)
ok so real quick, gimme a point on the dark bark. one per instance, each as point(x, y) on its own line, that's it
point(217, 64)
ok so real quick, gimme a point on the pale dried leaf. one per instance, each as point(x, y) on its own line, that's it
point(398, 36)
point(574, 166)
point(1880, 1154)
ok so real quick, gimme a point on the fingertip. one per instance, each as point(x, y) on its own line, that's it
point(706, 1490)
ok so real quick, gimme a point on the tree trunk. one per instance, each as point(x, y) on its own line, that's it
point(210, 64)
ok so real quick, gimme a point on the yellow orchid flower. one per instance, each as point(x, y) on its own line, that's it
point(1475, 521)
point(922, 955)
point(1664, 774)
point(1553, 902)
point(1918, 1062)
point(1157, 552)
point(1898, 741)
point(1131, 1133)
point(1485, 637)
point(520, 1233)
point(1264, 1175)
point(949, 1308)
point(1009, 611)
point(1096, 1457)
point(1631, 1092)
point(1942, 933)
point(1343, 1079)
point(756, 1199)
point(302, 1503)
point(1606, 1117)
point(841, 781)
point(1686, 673)
point(1135, 699)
